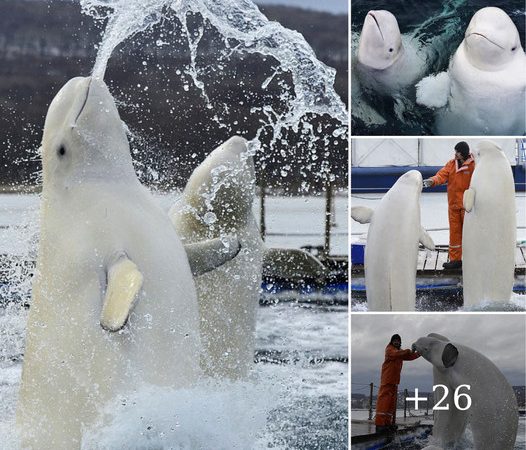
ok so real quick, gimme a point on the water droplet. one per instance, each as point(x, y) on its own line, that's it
point(210, 218)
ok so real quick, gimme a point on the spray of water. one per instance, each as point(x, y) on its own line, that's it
point(244, 30)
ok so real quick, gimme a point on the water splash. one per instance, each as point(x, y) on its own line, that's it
point(229, 414)
point(243, 30)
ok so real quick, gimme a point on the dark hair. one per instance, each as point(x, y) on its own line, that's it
point(463, 148)
point(395, 336)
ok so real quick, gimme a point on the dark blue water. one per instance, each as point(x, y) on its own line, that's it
point(428, 20)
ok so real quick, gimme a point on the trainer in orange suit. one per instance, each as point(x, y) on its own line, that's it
point(457, 174)
point(391, 368)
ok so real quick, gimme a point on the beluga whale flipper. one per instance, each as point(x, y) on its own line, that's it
point(489, 234)
point(482, 91)
point(217, 203)
point(114, 304)
point(392, 245)
point(493, 415)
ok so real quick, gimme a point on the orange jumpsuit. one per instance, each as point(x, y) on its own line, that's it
point(391, 368)
point(457, 179)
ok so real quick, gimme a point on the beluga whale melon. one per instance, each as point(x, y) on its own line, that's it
point(483, 91)
point(114, 304)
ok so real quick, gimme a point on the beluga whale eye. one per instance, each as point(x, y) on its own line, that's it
point(390, 50)
point(513, 49)
point(61, 151)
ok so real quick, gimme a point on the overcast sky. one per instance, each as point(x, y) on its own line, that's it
point(332, 6)
point(500, 337)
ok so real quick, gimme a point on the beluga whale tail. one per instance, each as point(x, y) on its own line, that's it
point(114, 304)
point(392, 245)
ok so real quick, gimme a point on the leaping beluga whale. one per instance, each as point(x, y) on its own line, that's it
point(392, 245)
point(492, 414)
point(217, 203)
point(489, 233)
point(484, 88)
point(114, 303)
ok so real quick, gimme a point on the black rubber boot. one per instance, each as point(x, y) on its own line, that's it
point(452, 265)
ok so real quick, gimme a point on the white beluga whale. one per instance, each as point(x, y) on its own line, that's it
point(392, 245)
point(217, 202)
point(386, 63)
point(493, 414)
point(483, 90)
point(114, 303)
point(489, 233)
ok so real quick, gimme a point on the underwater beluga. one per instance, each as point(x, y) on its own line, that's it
point(386, 63)
point(392, 245)
point(489, 234)
point(484, 88)
point(114, 304)
point(493, 413)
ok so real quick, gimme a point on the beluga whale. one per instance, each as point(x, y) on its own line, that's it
point(386, 63)
point(392, 245)
point(483, 91)
point(386, 60)
point(114, 304)
point(489, 233)
point(492, 414)
point(217, 203)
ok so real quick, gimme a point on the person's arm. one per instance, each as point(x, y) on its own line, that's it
point(391, 353)
point(442, 175)
point(411, 356)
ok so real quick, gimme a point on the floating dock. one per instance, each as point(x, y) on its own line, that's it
point(431, 276)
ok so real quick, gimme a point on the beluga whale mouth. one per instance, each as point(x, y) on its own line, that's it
point(85, 101)
point(370, 13)
point(485, 37)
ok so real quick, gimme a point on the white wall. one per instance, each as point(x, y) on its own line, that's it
point(383, 152)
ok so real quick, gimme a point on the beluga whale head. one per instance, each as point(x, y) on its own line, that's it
point(84, 137)
point(380, 42)
point(492, 40)
point(437, 350)
point(486, 149)
point(412, 179)
point(222, 187)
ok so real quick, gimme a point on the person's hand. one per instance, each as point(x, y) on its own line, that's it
point(428, 182)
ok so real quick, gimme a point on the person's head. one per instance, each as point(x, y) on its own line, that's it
point(396, 340)
point(462, 151)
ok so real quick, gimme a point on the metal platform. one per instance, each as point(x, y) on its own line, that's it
point(364, 436)
point(430, 262)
